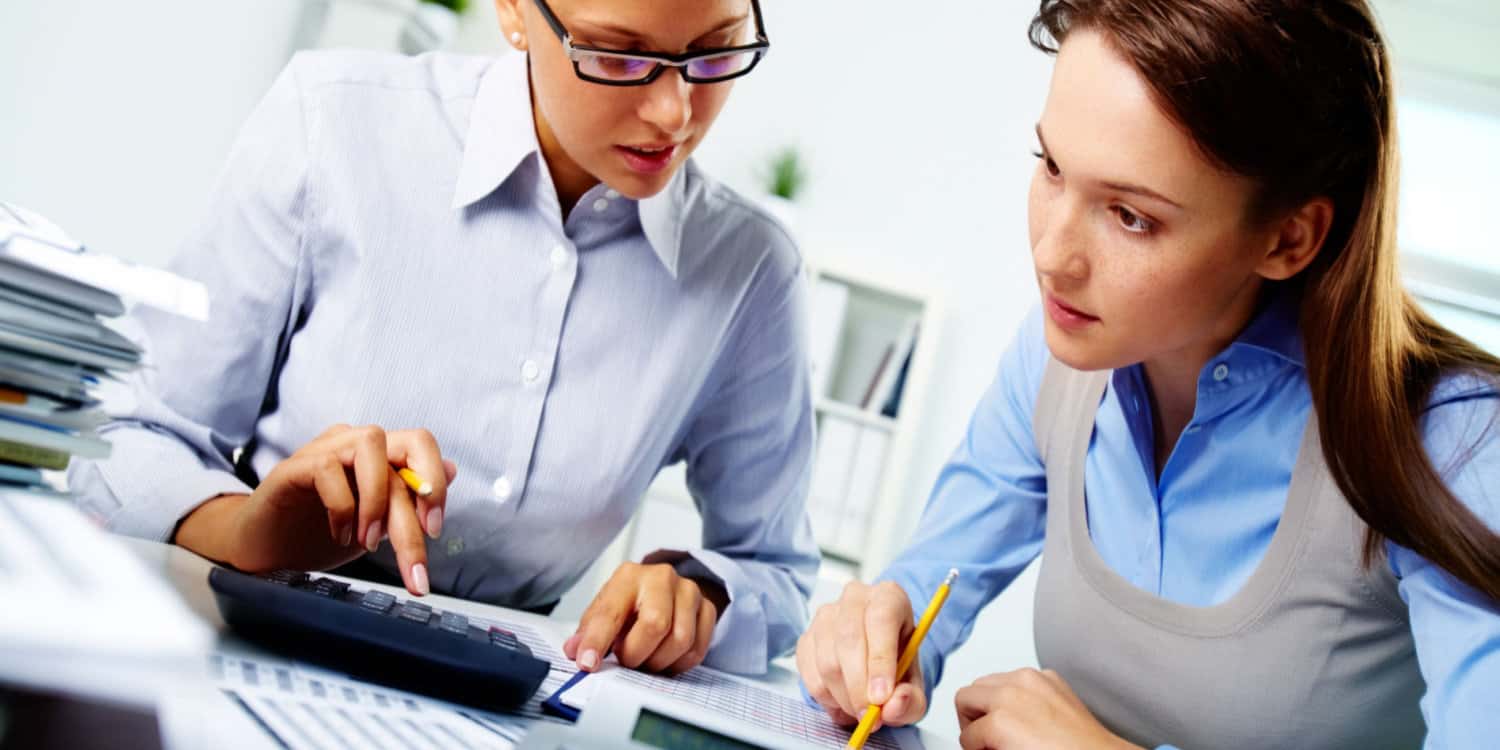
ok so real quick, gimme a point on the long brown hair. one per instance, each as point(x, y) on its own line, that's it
point(1297, 95)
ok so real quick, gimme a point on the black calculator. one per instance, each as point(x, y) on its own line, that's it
point(375, 636)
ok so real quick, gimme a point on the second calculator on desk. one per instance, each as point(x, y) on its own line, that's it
point(376, 636)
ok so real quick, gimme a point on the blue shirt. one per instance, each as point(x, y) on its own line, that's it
point(385, 246)
point(1175, 537)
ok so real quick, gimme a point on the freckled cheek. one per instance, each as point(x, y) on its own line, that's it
point(1125, 282)
point(1165, 300)
point(1036, 216)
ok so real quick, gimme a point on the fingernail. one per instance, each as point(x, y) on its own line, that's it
point(435, 522)
point(372, 535)
point(346, 535)
point(419, 578)
point(589, 660)
point(880, 690)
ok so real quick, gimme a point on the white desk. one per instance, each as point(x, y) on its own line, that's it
point(208, 723)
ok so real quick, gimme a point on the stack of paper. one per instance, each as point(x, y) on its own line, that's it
point(78, 611)
point(55, 347)
point(54, 351)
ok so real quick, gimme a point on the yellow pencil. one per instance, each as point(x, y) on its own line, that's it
point(415, 482)
point(872, 713)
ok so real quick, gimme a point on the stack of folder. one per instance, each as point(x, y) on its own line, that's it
point(55, 348)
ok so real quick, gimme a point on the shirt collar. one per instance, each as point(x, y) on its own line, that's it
point(502, 135)
point(662, 218)
point(1275, 328)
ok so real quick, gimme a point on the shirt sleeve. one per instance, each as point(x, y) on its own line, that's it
point(749, 460)
point(987, 512)
point(176, 423)
point(1457, 628)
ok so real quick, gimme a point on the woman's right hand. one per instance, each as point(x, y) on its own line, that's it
point(330, 502)
point(847, 657)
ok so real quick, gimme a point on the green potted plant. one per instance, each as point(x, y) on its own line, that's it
point(783, 180)
point(432, 25)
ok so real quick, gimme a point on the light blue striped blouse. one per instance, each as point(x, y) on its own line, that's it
point(385, 246)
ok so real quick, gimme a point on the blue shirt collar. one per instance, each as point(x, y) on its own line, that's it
point(1271, 342)
point(1275, 328)
point(502, 135)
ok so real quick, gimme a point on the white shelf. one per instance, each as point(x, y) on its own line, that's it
point(855, 414)
point(877, 312)
point(857, 497)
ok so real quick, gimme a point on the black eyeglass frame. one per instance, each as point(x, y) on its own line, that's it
point(662, 59)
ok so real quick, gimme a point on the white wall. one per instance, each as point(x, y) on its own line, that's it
point(115, 115)
point(918, 136)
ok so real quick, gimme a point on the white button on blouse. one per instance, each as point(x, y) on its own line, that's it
point(501, 488)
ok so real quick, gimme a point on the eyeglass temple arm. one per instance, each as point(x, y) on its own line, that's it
point(552, 20)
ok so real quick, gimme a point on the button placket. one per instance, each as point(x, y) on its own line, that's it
point(537, 357)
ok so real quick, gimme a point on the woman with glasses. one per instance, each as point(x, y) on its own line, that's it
point(511, 274)
point(1261, 480)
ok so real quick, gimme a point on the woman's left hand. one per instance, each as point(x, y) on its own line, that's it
point(651, 617)
point(1028, 708)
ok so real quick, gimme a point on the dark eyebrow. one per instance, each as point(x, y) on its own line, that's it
point(635, 36)
point(1122, 187)
point(1143, 191)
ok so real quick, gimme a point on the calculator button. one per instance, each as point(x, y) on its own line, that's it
point(377, 601)
point(454, 623)
point(329, 588)
point(288, 577)
point(418, 613)
point(503, 638)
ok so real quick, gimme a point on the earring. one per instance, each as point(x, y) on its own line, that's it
point(515, 38)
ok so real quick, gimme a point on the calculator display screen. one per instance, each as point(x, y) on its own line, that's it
point(667, 733)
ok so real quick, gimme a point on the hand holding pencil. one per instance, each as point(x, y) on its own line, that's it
point(332, 500)
point(868, 723)
point(851, 659)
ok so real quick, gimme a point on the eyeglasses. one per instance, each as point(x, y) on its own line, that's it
point(615, 68)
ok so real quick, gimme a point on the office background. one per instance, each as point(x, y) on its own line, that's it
point(118, 113)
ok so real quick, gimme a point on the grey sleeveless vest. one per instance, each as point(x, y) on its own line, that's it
point(1313, 652)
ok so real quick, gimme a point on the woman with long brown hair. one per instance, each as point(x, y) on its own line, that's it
point(1261, 478)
